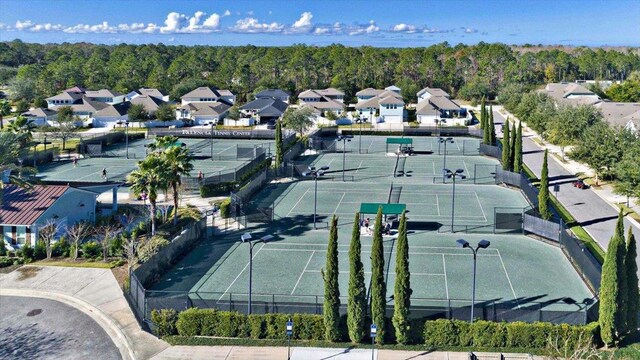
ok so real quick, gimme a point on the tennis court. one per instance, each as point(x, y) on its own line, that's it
point(421, 144)
point(515, 272)
point(228, 155)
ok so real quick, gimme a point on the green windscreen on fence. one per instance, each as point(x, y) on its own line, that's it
point(400, 141)
point(387, 209)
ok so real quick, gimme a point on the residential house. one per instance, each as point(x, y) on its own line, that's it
point(265, 109)
point(155, 93)
point(622, 115)
point(570, 94)
point(202, 113)
point(274, 94)
point(105, 96)
point(42, 116)
point(207, 94)
point(381, 105)
point(323, 101)
point(436, 107)
point(65, 98)
point(150, 103)
point(24, 212)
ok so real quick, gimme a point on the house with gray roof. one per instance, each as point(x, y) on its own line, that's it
point(274, 94)
point(41, 116)
point(621, 115)
point(436, 107)
point(381, 105)
point(323, 100)
point(150, 103)
point(570, 94)
point(264, 109)
point(105, 95)
point(208, 94)
point(148, 92)
point(202, 113)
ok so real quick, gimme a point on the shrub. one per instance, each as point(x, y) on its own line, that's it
point(3, 249)
point(117, 263)
point(27, 253)
point(225, 208)
point(189, 322)
point(115, 248)
point(40, 250)
point(489, 334)
point(5, 261)
point(441, 332)
point(60, 248)
point(165, 321)
point(91, 250)
point(151, 247)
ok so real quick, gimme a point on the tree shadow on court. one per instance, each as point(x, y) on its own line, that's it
point(598, 220)
point(532, 152)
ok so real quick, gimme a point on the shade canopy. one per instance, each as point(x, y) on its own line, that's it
point(387, 209)
point(400, 141)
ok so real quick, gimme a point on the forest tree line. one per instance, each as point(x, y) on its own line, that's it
point(36, 71)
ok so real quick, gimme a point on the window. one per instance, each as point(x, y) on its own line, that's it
point(21, 234)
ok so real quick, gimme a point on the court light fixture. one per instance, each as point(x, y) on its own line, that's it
point(315, 173)
point(482, 244)
point(458, 174)
point(344, 139)
point(444, 141)
point(246, 237)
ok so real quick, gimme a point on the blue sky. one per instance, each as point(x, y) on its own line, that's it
point(386, 23)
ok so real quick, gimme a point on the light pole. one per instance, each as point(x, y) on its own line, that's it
point(344, 139)
point(289, 330)
point(211, 138)
point(373, 334)
point(444, 141)
point(315, 173)
point(453, 174)
point(247, 238)
point(483, 244)
point(359, 121)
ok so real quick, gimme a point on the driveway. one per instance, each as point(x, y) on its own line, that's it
point(35, 328)
point(594, 214)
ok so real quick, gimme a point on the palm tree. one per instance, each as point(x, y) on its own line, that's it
point(163, 142)
point(179, 162)
point(150, 178)
point(5, 109)
point(10, 155)
point(22, 126)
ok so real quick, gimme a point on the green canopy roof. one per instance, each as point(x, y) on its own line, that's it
point(402, 141)
point(387, 209)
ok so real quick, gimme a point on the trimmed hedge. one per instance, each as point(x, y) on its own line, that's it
point(518, 334)
point(440, 333)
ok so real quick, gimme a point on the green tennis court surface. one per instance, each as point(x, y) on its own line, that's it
point(114, 159)
point(515, 271)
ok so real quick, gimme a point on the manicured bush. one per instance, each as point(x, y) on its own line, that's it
point(441, 332)
point(91, 250)
point(165, 321)
point(489, 334)
point(225, 208)
point(5, 261)
point(3, 249)
point(151, 247)
point(189, 322)
point(27, 253)
point(40, 250)
point(60, 248)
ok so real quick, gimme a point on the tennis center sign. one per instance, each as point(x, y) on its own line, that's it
point(220, 134)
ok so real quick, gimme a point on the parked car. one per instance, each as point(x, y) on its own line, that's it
point(580, 184)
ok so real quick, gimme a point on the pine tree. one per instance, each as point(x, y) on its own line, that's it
point(331, 288)
point(611, 312)
point(492, 127)
point(543, 195)
point(517, 156)
point(402, 286)
point(633, 292)
point(506, 148)
point(357, 300)
point(279, 150)
point(512, 147)
point(378, 286)
point(483, 113)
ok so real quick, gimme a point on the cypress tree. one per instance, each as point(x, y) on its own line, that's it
point(506, 148)
point(279, 150)
point(512, 147)
point(517, 156)
point(483, 113)
point(611, 312)
point(486, 135)
point(378, 286)
point(543, 195)
point(357, 300)
point(331, 288)
point(633, 292)
point(402, 286)
point(492, 128)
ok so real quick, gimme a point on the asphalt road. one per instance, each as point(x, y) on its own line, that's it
point(593, 213)
point(35, 328)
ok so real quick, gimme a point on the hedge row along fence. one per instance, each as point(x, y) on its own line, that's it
point(226, 187)
point(432, 333)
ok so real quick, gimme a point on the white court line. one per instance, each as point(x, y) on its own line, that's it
point(508, 279)
point(359, 166)
point(411, 253)
point(240, 273)
point(466, 168)
point(437, 204)
point(339, 202)
point(303, 271)
point(433, 165)
point(297, 202)
point(220, 152)
point(479, 203)
point(444, 269)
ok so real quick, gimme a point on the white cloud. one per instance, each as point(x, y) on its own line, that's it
point(212, 22)
point(404, 28)
point(252, 25)
point(181, 23)
point(469, 30)
point(434, 31)
point(250, 12)
point(24, 25)
point(321, 31)
point(364, 29)
point(304, 21)
point(226, 13)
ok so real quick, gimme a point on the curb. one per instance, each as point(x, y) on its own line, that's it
point(116, 334)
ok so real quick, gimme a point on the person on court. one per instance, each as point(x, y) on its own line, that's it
point(75, 162)
point(104, 173)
